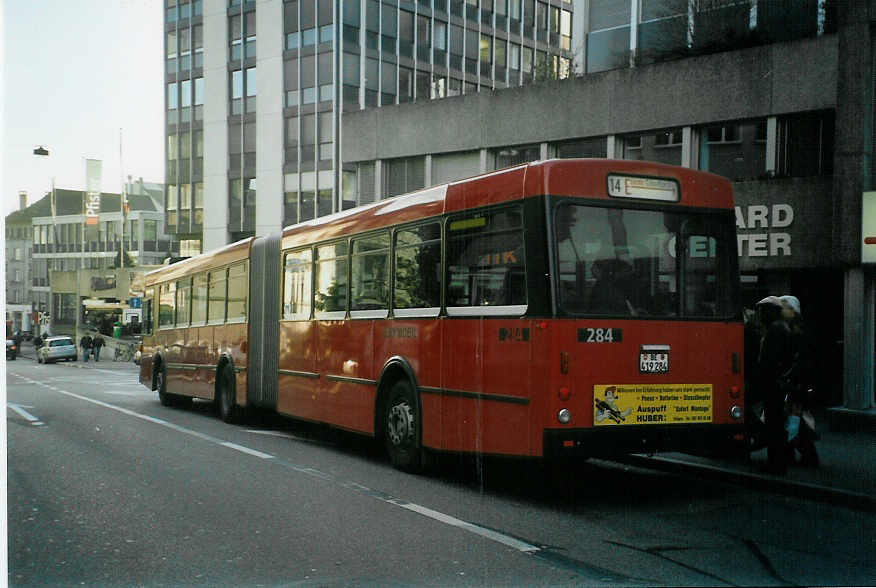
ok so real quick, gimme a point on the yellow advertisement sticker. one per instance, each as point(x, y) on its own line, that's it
point(651, 404)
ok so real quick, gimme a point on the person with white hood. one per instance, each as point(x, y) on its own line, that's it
point(774, 362)
point(799, 424)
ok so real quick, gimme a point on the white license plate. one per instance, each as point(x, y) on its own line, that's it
point(651, 362)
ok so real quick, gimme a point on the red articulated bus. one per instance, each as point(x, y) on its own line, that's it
point(560, 308)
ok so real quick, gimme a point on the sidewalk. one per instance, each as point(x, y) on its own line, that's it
point(845, 476)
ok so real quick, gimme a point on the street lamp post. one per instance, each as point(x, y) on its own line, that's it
point(43, 152)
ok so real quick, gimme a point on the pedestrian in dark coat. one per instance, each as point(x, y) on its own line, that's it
point(774, 363)
point(85, 345)
point(97, 343)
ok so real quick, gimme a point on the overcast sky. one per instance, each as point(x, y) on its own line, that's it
point(77, 74)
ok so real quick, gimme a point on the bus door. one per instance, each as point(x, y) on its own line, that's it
point(488, 349)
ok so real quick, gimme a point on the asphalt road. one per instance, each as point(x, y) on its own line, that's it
point(107, 487)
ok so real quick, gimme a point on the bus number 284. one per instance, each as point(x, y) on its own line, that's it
point(599, 335)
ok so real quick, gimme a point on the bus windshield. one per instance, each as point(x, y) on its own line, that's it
point(644, 263)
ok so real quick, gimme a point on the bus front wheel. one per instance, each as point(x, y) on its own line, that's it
point(402, 428)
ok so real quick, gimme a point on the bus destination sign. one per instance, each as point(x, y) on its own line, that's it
point(621, 186)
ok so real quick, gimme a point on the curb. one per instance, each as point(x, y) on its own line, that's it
point(757, 481)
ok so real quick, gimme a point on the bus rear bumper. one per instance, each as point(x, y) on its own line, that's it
point(622, 440)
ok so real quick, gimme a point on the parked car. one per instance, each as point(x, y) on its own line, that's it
point(11, 349)
point(56, 348)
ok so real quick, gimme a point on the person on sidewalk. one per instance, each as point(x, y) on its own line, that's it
point(85, 345)
point(97, 343)
point(774, 362)
point(800, 424)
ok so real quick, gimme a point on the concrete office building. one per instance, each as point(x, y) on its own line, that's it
point(776, 95)
point(19, 238)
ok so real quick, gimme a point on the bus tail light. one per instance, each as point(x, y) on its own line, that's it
point(565, 393)
point(564, 416)
point(734, 391)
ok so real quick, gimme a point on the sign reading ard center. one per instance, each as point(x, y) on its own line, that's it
point(651, 404)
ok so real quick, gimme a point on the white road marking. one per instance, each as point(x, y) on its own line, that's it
point(26, 415)
point(247, 450)
point(272, 434)
point(435, 515)
point(470, 527)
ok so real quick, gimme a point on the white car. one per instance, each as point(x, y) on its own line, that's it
point(56, 348)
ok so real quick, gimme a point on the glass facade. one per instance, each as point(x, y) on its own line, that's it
point(184, 62)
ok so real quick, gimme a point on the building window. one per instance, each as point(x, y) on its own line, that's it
point(185, 91)
point(663, 31)
point(237, 92)
point(172, 103)
point(389, 28)
point(403, 175)
point(805, 144)
point(236, 34)
point(308, 79)
point(326, 136)
point(171, 49)
point(661, 146)
point(608, 42)
point(424, 38)
point(251, 89)
point(734, 150)
point(508, 156)
point(405, 33)
point(596, 147)
point(324, 75)
point(250, 23)
point(199, 99)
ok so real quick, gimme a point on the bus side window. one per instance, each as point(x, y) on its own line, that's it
point(331, 281)
point(216, 292)
point(370, 265)
point(148, 304)
point(199, 299)
point(297, 285)
point(237, 289)
point(166, 304)
point(418, 268)
point(485, 260)
point(183, 302)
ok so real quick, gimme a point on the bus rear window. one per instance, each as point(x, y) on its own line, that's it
point(486, 273)
point(646, 263)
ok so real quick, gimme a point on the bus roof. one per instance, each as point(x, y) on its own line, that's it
point(558, 177)
point(236, 251)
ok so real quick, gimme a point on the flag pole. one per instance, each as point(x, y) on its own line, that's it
point(121, 204)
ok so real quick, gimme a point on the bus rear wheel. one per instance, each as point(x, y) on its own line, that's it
point(402, 429)
point(161, 385)
point(229, 412)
